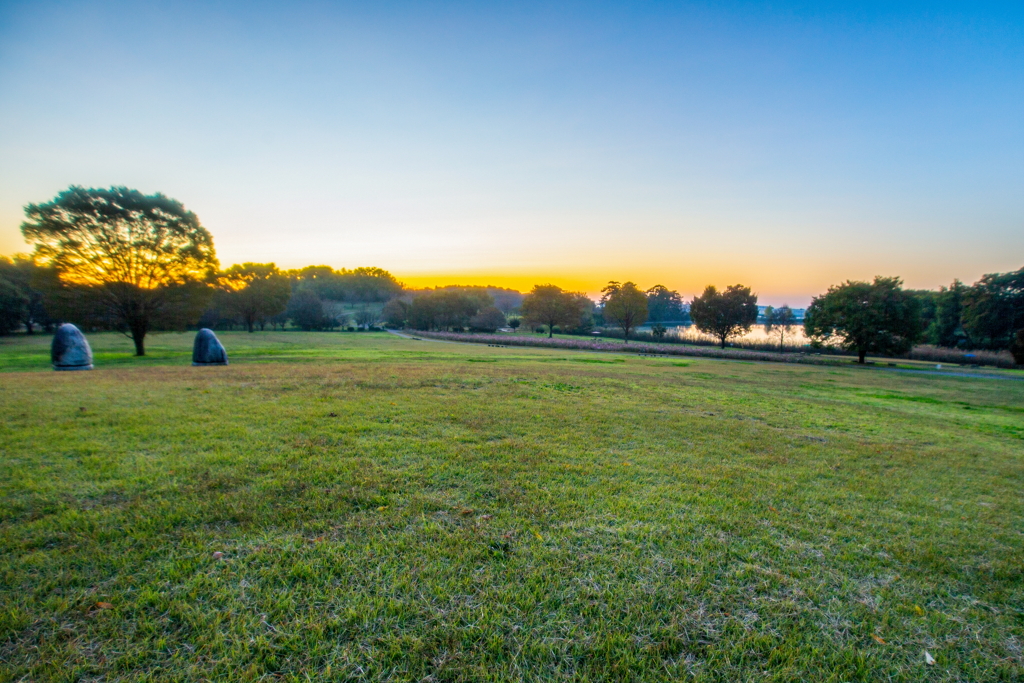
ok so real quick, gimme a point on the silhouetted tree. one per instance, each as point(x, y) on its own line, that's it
point(306, 311)
point(255, 292)
point(779, 321)
point(867, 317)
point(552, 306)
point(664, 304)
point(489, 319)
point(724, 314)
point(140, 260)
point(947, 328)
point(361, 285)
point(445, 309)
point(365, 318)
point(625, 305)
point(395, 313)
point(993, 309)
point(1017, 348)
point(24, 275)
point(13, 306)
point(506, 300)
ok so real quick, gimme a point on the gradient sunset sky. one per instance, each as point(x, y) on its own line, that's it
point(786, 146)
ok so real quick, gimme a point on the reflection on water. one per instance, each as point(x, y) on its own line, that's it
point(794, 337)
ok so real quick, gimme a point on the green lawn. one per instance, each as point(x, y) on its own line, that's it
point(400, 510)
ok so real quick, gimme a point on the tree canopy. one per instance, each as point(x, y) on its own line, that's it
point(866, 317)
point(446, 309)
point(135, 260)
point(21, 301)
point(779, 321)
point(360, 285)
point(993, 309)
point(664, 304)
point(255, 292)
point(552, 306)
point(724, 314)
point(489, 319)
point(625, 305)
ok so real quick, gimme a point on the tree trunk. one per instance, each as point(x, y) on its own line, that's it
point(28, 327)
point(139, 325)
point(248, 323)
point(723, 341)
point(860, 356)
point(139, 337)
point(551, 330)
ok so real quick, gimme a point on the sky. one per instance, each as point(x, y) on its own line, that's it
point(784, 146)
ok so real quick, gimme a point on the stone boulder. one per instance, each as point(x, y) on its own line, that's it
point(70, 350)
point(207, 349)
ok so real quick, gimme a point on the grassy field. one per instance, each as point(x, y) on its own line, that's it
point(364, 507)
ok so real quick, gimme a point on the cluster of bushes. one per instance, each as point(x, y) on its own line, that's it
point(313, 298)
point(446, 309)
point(21, 304)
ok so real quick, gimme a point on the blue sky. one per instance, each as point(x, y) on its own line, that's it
point(785, 146)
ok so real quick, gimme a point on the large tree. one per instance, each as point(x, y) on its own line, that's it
point(23, 275)
point(724, 314)
point(664, 304)
point(779, 321)
point(625, 305)
point(447, 309)
point(13, 305)
point(993, 309)
point(489, 319)
point(395, 313)
point(552, 306)
point(361, 285)
point(255, 292)
point(141, 260)
point(306, 311)
point(866, 317)
point(947, 327)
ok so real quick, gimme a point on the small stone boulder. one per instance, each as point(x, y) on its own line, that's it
point(207, 349)
point(70, 350)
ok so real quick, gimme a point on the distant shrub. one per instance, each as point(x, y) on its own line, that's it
point(1017, 348)
point(489, 319)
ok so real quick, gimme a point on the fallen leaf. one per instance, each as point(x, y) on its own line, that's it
point(772, 509)
point(486, 516)
point(466, 511)
point(919, 611)
point(104, 605)
point(217, 555)
point(537, 534)
point(928, 659)
point(878, 639)
point(382, 508)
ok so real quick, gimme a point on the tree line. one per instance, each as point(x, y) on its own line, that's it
point(118, 259)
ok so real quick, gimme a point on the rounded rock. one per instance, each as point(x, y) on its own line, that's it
point(70, 350)
point(207, 349)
